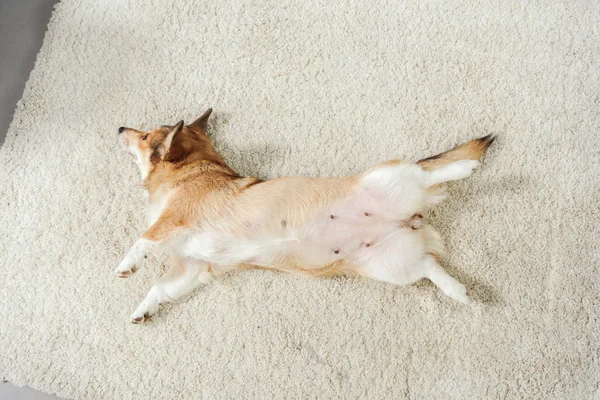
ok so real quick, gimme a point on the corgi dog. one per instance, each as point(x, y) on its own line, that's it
point(212, 220)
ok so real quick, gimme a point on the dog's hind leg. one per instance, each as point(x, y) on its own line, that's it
point(450, 286)
point(402, 263)
point(452, 172)
point(183, 277)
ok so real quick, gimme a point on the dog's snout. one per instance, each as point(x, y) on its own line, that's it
point(121, 129)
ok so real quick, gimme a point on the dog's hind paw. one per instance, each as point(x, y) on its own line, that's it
point(459, 293)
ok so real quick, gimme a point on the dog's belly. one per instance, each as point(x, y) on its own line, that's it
point(324, 239)
point(293, 226)
point(225, 249)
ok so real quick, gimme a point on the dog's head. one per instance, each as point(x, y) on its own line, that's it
point(168, 146)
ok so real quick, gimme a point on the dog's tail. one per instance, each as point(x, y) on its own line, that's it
point(472, 150)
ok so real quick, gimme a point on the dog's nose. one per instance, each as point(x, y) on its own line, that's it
point(121, 129)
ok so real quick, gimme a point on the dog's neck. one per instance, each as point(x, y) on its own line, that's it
point(169, 175)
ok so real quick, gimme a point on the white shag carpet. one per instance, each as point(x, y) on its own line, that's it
point(315, 88)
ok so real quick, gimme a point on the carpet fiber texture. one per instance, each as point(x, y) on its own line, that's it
point(310, 88)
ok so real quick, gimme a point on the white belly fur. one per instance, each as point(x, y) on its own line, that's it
point(363, 228)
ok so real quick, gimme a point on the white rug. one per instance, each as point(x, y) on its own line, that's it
point(316, 88)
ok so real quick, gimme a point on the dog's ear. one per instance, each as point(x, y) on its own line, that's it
point(199, 125)
point(167, 150)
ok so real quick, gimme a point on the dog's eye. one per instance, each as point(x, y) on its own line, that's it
point(145, 137)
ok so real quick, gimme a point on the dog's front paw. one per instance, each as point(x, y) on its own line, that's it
point(125, 270)
point(144, 312)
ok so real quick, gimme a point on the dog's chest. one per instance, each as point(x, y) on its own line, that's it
point(155, 205)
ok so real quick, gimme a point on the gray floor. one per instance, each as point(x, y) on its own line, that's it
point(22, 27)
point(9, 391)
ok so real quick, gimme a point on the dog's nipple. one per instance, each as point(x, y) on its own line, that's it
point(337, 251)
point(367, 214)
